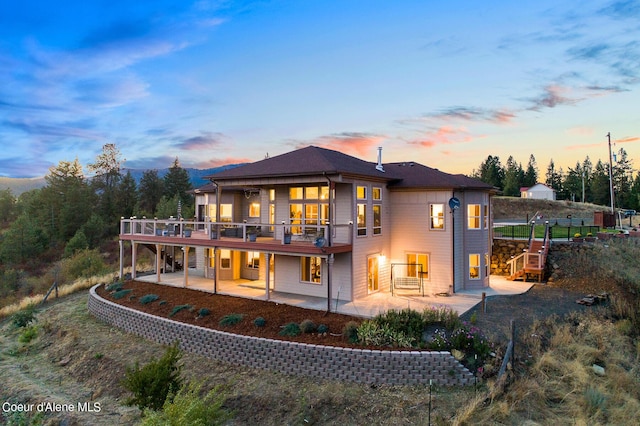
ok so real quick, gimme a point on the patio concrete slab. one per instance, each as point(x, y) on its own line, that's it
point(366, 307)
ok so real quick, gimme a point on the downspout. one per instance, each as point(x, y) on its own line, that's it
point(329, 241)
point(215, 249)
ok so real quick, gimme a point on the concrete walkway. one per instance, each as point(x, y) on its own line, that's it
point(367, 307)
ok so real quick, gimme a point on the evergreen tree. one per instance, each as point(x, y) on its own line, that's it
point(554, 177)
point(587, 170)
point(177, 183)
point(8, 209)
point(599, 184)
point(491, 172)
point(126, 195)
point(573, 183)
point(150, 192)
point(513, 178)
point(531, 175)
point(622, 179)
point(105, 184)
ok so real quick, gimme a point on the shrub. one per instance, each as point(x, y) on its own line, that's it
point(148, 298)
point(28, 334)
point(24, 317)
point(179, 308)
point(291, 329)
point(157, 380)
point(116, 286)
point(189, 408)
point(442, 315)
point(372, 333)
point(203, 312)
point(307, 326)
point(322, 329)
point(350, 331)
point(84, 263)
point(231, 319)
point(121, 293)
point(259, 322)
point(162, 302)
point(406, 321)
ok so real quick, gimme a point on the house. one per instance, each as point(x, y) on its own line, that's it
point(318, 222)
point(539, 191)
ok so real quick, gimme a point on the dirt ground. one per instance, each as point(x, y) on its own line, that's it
point(276, 315)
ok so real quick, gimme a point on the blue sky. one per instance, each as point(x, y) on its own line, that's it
point(213, 82)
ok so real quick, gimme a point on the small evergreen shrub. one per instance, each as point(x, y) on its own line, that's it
point(179, 308)
point(121, 293)
point(307, 326)
point(116, 286)
point(350, 331)
point(230, 320)
point(322, 329)
point(28, 334)
point(152, 384)
point(162, 302)
point(24, 317)
point(292, 329)
point(203, 312)
point(189, 408)
point(259, 322)
point(148, 298)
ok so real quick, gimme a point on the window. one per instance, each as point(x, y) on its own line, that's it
point(254, 210)
point(361, 192)
point(418, 263)
point(253, 259)
point(377, 219)
point(362, 219)
point(311, 214)
point(487, 265)
point(226, 212)
point(436, 216)
point(485, 217)
point(272, 195)
point(376, 193)
point(295, 193)
point(311, 193)
point(324, 192)
point(474, 266)
point(295, 217)
point(225, 259)
point(473, 216)
point(310, 268)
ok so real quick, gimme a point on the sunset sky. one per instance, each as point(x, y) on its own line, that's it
point(443, 83)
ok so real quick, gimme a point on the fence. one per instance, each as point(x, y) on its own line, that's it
point(556, 232)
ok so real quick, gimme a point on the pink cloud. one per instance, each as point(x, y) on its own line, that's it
point(628, 139)
point(445, 135)
point(353, 143)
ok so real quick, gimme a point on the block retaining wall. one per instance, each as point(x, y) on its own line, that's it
point(326, 362)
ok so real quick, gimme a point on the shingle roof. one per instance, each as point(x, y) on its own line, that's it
point(314, 160)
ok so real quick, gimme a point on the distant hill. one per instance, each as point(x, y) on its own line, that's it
point(20, 185)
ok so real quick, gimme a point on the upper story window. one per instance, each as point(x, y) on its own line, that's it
point(376, 193)
point(377, 219)
point(485, 216)
point(272, 195)
point(226, 212)
point(362, 219)
point(361, 192)
point(473, 216)
point(436, 216)
point(254, 210)
point(311, 193)
point(296, 193)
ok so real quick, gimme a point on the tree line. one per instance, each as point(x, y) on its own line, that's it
point(585, 182)
point(74, 212)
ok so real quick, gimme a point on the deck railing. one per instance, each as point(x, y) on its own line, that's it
point(340, 233)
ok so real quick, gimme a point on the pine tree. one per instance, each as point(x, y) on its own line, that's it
point(177, 183)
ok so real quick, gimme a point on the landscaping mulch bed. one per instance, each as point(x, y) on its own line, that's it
point(276, 315)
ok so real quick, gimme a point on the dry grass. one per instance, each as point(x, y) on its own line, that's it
point(519, 208)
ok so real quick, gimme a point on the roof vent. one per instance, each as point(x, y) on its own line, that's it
point(379, 165)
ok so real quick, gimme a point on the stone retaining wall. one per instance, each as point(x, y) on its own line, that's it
point(326, 362)
point(502, 252)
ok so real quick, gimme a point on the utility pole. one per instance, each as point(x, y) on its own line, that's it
point(610, 173)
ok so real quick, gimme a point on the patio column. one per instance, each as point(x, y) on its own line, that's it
point(121, 244)
point(185, 264)
point(158, 261)
point(134, 258)
point(268, 278)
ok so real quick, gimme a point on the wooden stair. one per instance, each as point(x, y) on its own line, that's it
point(533, 261)
point(169, 259)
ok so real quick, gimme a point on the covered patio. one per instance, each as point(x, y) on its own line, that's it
point(366, 307)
